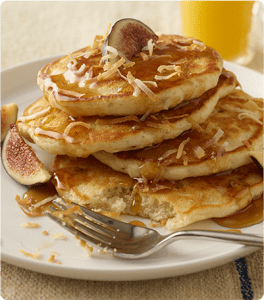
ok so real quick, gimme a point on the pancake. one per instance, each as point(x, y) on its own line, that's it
point(90, 183)
point(46, 126)
point(73, 83)
point(223, 142)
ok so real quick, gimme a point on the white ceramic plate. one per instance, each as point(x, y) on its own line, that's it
point(183, 257)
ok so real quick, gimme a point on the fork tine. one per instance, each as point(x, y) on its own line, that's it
point(104, 220)
point(99, 242)
point(106, 230)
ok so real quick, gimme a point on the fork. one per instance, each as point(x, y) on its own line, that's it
point(129, 241)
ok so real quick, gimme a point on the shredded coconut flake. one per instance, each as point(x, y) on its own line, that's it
point(34, 116)
point(167, 154)
point(36, 255)
point(52, 134)
point(214, 139)
point(30, 225)
point(180, 150)
point(248, 115)
point(111, 70)
point(58, 236)
point(158, 77)
point(71, 125)
point(163, 68)
point(49, 199)
point(199, 152)
point(222, 149)
point(144, 56)
point(73, 60)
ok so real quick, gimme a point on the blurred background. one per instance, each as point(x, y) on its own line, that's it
point(31, 30)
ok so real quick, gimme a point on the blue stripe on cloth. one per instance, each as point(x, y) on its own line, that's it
point(245, 283)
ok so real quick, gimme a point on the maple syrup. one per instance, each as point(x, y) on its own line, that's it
point(40, 192)
point(250, 215)
point(137, 223)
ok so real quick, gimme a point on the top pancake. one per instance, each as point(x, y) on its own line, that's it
point(73, 83)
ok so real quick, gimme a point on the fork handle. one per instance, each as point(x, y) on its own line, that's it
point(231, 237)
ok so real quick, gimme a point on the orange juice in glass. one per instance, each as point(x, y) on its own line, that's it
point(222, 25)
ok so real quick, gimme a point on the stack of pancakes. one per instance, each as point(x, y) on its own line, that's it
point(166, 135)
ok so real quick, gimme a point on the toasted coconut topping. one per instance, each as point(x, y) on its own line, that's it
point(180, 150)
point(199, 152)
point(167, 154)
point(158, 125)
point(145, 89)
point(129, 64)
point(146, 114)
point(71, 125)
point(53, 260)
point(88, 249)
point(222, 149)
point(36, 255)
point(81, 70)
point(253, 104)
point(90, 53)
point(73, 60)
point(185, 160)
point(58, 236)
point(149, 47)
point(144, 56)
point(70, 93)
point(214, 139)
point(98, 42)
point(32, 214)
point(112, 70)
point(151, 83)
point(49, 199)
point(163, 68)
point(248, 115)
point(179, 62)
point(239, 110)
point(30, 225)
point(139, 85)
point(113, 53)
point(209, 127)
point(68, 211)
point(52, 134)
point(158, 77)
point(174, 117)
point(34, 116)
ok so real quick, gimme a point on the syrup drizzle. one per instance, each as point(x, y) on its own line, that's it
point(250, 215)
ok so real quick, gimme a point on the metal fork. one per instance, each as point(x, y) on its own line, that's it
point(130, 241)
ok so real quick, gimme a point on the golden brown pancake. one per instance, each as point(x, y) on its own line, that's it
point(96, 186)
point(223, 142)
point(179, 69)
point(57, 132)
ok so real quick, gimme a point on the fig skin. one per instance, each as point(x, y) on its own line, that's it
point(128, 37)
point(20, 161)
point(8, 116)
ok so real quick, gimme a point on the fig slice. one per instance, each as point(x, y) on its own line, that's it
point(20, 161)
point(8, 116)
point(128, 37)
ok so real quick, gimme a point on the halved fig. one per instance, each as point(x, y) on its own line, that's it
point(8, 116)
point(128, 37)
point(20, 161)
